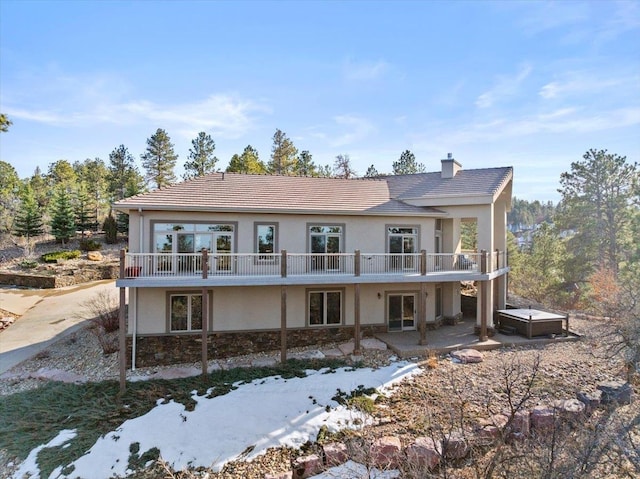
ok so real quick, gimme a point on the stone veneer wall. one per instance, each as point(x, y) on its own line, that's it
point(187, 348)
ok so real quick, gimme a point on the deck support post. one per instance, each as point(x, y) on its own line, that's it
point(356, 326)
point(205, 312)
point(484, 297)
point(283, 323)
point(423, 262)
point(422, 311)
point(122, 338)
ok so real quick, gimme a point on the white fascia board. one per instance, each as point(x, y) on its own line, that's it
point(443, 201)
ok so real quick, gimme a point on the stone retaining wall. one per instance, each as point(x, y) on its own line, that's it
point(66, 278)
point(175, 349)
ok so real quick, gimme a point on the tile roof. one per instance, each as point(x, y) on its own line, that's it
point(273, 193)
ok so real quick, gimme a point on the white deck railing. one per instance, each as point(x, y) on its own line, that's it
point(297, 264)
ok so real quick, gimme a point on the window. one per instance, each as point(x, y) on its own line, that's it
point(185, 238)
point(185, 312)
point(265, 240)
point(402, 243)
point(325, 307)
point(325, 245)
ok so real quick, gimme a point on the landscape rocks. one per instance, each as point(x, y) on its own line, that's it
point(616, 392)
point(467, 356)
point(569, 409)
point(424, 453)
point(386, 452)
point(307, 466)
point(335, 453)
point(95, 256)
point(542, 419)
point(455, 446)
point(280, 475)
point(591, 400)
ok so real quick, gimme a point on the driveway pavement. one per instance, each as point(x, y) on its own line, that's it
point(46, 316)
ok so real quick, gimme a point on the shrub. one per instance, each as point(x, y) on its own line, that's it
point(102, 311)
point(90, 245)
point(28, 263)
point(110, 227)
point(54, 256)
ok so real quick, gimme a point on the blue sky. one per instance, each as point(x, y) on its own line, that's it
point(528, 84)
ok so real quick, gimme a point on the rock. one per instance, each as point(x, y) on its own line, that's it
point(264, 362)
point(467, 356)
point(279, 475)
point(455, 446)
point(335, 453)
point(332, 353)
point(521, 423)
point(176, 373)
point(570, 409)
point(95, 256)
point(424, 453)
point(372, 343)
point(307, 466)
point(346, 348)
point(490, 430)
point(591, 400)
point(542, 418)
point(386, 452)
point(312, 354)
point(616, 392)
point(58, 375)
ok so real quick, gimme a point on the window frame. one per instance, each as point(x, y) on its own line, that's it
point(189, 294)
point(256, 241)
point(324, 293)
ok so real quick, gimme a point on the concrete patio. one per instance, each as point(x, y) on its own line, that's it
point(461, 336)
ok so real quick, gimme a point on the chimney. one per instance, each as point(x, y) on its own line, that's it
point(450, 167)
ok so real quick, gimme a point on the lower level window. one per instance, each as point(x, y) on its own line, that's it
point(186, 312)
point(325, 307)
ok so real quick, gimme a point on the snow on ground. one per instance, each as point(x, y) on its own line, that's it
point(353, 470)
point(268, 412)
point(29, 468)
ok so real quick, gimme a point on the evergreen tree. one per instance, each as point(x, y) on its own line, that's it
point(28, 221)
point(9, 191)
point(5, 123)
point(371, 172)
point(407, 164)
point(342, 167)
point(599, 203)
point(40, 189)
point(201, 158)
point(283, 155)
point(248, 162)
point(93, 177)
point(305, 165)
point(110, 229)
point(122, 173)
point(63, 225)
point(159, 160)
point(85, 213)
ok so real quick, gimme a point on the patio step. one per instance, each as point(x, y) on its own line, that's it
point(508, 330)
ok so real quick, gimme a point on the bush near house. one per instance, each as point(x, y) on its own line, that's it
point(54, 256)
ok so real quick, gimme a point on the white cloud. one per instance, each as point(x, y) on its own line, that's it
point(505, 87)
point(586, 82)
point(364, 71)
point(353, 128)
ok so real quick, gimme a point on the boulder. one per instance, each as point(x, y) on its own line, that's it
point(542, 418)
point(570, 409)
point(423, 452)
point(521, 423)
point(616, 392)
point(591, 400)
point(467, 356)
point(95, 256)
point(490, 430)
point(335, 453)
point(279, 475)
point(455, 445)
point(307, 466)
point(372, 344)
point(386, 452)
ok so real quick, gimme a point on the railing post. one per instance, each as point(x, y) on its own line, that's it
point(483, 261)
point(205, 313)
point(283, 263)
point(423, 262)
point(205, 263)
point(497, 259)
point(356, 265)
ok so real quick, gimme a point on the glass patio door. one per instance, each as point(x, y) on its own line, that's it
point(324, 249)
point(223, 244)
point(401, 312)
point(402, 247)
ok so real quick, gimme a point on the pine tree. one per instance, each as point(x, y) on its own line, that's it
point(159, 160)
point(283, 155)
point(85, 212)
point(407, 164)
point(371, 172)
point(122, 173)
point(63, 225)
point(28, 222)
point(110, 229)
point(305, 165)
point(248, 162)
point(201, 158)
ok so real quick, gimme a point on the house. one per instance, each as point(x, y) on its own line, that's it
point(227, 263)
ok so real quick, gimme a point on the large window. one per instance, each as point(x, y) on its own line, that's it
point(185, 312)
point(184, 238)
point(325, 243)
point(266, 240)
point(325, 307)
point(402, 244)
